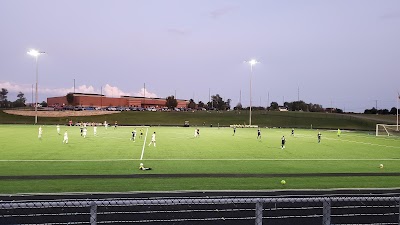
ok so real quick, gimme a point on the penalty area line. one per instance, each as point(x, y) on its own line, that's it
point(144, 144)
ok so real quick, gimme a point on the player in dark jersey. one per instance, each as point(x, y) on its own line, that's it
point(319, 137)
point(283, 142)
point(259, 134)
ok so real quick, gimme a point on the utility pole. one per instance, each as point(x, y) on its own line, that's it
point(144, 94)
point(298, 93)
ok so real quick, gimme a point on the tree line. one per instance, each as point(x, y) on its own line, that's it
point(4, 103)
point(216, 103)
point(19, 102)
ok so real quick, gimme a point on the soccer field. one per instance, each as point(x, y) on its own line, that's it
point(216, 160)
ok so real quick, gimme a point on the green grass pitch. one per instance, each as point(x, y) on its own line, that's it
point(216, 151)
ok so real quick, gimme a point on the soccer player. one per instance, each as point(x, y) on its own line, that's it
point(198, 132)
point(319, 137)
point(40, 133)
point(105, 124)
point(283, 142)
point(115, 125)
point(81, 128)
point(292, 131)
point(58, 129)
point(234, 130)
point(339, 132)
point(195, 133)
point(259, 134)
point(141, 167)
point(141, 133)
point(153, 139)
point(84, 132)
point(65, 138)
point(95, 130)
point(133, 135)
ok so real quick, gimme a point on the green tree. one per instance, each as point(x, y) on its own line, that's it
point(201, 104)
point(274, 106)
point(20, 102)
point(3, 98)
point(217, 102)
point(171, 102)
point(192, 104)
point(238, 106)
point(44, 104)
point(371, 111)
point(70, 98)
point(393, 111)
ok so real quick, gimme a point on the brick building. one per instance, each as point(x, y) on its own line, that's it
point(97, 100)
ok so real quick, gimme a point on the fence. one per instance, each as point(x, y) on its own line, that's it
point(271, 210)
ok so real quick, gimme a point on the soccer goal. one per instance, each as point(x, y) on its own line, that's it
point(387, 130)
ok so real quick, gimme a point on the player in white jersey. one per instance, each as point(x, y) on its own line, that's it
point(133, 135)
point(153, 139)
point(58, 129)
point(95, 130)
point(40, 133)
point(195, 133)
point(84, 132)
point(105, 124)
point(65, 141)
point(141, 167)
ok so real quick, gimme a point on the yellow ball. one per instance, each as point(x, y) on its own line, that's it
point(283, 182)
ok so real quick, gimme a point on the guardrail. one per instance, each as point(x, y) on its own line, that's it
point(310, 210)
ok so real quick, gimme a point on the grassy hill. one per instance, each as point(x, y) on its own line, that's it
point(203, 118)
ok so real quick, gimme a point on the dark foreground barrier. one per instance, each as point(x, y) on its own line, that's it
point(203, 210)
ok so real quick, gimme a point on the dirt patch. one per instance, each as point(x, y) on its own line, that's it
point(60, 113)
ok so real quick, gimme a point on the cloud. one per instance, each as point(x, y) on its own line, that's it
point(143, 92)
point(15, 88)
point(111, 91)
point(178, 31)
point(215, 14)
point(108, 90)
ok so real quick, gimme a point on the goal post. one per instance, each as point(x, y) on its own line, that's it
point(387, 130)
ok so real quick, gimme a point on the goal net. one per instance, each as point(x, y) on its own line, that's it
point(387, 130)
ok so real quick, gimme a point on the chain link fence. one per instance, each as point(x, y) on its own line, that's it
point(230, 210)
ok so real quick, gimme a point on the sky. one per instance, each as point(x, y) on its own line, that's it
point(343, 54)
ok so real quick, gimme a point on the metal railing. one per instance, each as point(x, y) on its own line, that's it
point(271, 210)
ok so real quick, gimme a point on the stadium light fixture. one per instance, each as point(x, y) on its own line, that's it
point(36, 54)
point(251, 62)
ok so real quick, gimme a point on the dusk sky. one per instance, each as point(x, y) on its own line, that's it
point(344, 54)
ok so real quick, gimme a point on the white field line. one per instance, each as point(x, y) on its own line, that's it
point(116, 160)
point(357, 142)
point(144, 144)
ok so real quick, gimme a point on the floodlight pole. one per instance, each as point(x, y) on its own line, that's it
point(397, 110)
point(36, 54)
point(252, 63)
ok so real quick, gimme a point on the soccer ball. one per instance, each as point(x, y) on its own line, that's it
point(283, 182)
point(381, 166)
